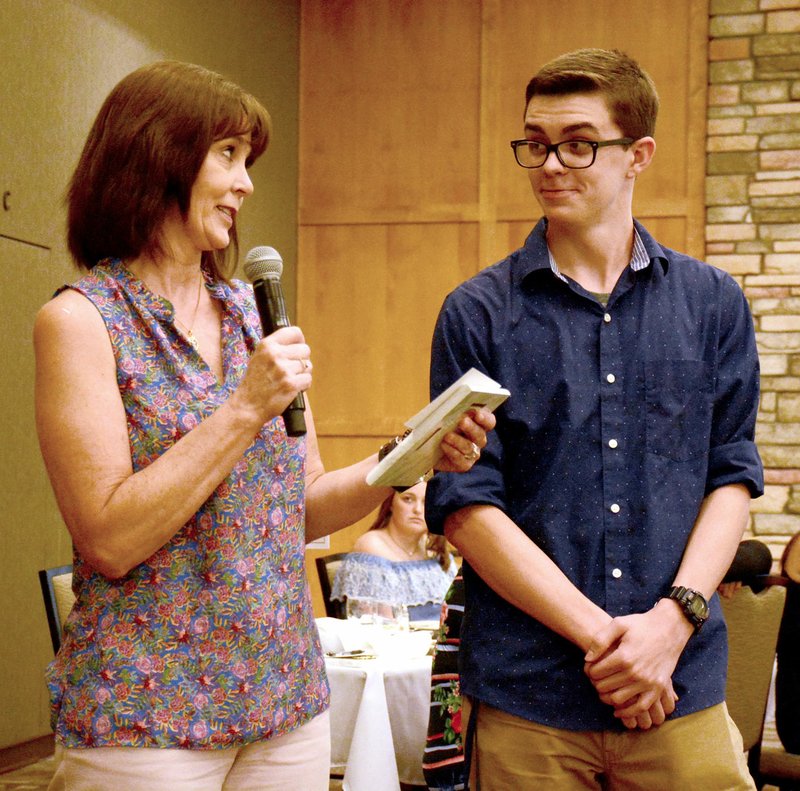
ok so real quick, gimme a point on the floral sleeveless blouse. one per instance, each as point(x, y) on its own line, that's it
point(211, 642)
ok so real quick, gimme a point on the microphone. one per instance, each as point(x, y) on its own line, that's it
point(263, 267)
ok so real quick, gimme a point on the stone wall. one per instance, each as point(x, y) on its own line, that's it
point(753, 221)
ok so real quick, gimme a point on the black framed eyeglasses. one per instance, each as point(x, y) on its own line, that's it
point(573, 154)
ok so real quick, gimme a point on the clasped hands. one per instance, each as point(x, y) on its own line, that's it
point(630, 663)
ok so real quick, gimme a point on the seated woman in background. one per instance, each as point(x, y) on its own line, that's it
point(787, 680)
point(397, 561)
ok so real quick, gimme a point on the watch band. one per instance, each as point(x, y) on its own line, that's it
point(693, 604)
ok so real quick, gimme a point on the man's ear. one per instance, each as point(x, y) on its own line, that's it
point(643, 150)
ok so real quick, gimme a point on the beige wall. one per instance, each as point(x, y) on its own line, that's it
point(59, 60)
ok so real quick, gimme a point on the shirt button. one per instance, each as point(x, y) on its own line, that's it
point(612, 443)
point(607, 318)
point(610, 378)
point(616, 573)
point(614, 508)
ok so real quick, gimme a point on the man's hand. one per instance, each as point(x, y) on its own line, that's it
point(631, 661)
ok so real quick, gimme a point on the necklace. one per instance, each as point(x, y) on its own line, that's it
point(410, 553)
point(190, 336)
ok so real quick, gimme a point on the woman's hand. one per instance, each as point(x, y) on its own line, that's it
point(278, 370)
point(462, 447)
point(341, 497)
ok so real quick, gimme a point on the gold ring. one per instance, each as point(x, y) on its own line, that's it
point(475, 451)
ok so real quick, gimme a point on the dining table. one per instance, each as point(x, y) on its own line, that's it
point(380, 703)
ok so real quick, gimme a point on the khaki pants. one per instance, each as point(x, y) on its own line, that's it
point(300, 761)
point(698, 752)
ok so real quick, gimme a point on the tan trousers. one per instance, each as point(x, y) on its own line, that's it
point(300, 761)
point(698, 752)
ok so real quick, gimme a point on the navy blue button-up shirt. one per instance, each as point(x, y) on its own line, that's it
point(621, 420)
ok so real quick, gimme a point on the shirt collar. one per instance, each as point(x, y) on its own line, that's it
point(535, 254)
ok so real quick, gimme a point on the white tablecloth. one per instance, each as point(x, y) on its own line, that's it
point(379, 720)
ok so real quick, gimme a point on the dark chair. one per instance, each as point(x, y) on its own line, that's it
point(327, 567)
point(58, 599)
point(769, 762)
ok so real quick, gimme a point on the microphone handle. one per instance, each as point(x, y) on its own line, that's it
point(272, 310)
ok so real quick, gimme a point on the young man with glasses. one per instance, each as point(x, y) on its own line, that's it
point(610, 500)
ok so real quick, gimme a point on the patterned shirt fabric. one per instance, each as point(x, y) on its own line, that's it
point(210, 642)
point(621, 420)
point(415, 583)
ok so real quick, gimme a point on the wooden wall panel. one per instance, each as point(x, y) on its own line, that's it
point(672, 186)
point(367, 306)
point(389, 110)
point(637, 27)
point(408, 185)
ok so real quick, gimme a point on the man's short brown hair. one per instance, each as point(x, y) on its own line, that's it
point(628, 89)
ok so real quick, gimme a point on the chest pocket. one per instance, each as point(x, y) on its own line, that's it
point(678, 403)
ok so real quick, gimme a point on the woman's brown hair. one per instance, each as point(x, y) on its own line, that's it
point(143, 154)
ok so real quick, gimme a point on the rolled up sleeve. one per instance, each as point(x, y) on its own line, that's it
point(454, 351)
point(733, 456)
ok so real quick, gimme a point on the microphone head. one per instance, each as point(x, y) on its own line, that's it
point(263, 263)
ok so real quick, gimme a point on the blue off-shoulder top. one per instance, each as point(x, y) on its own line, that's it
point(419, 584)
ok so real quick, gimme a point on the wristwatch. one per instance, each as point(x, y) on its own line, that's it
point(693, 604)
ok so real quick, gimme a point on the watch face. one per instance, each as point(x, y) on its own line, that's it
point(699, 607)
